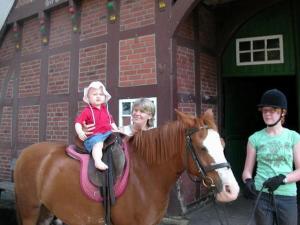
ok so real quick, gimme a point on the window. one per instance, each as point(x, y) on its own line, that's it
point(125, 107)
point(259, 50)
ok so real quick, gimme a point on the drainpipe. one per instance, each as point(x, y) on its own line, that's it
point(294, 4)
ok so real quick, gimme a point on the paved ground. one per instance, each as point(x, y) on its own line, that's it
point(234, 213)
point(237, 213)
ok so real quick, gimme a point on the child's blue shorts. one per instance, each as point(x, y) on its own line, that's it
point(94, 139)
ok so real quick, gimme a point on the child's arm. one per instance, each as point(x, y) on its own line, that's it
point(115, 128)
point(80, 132)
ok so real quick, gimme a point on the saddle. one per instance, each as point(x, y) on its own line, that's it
point(115, 155)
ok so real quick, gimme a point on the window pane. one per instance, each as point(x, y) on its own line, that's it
point(245, 57)
point(273, 55)
point(273, 43)
point(259, 56)
point(126, 108)
point(245, 45)
point(259, 44)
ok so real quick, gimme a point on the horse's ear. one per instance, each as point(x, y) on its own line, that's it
point(187, 119)
point(208, 114)
point(209, 119)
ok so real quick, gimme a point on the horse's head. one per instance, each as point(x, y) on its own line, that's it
point(205, 155)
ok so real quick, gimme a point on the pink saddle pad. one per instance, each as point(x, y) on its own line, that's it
point(89, 189)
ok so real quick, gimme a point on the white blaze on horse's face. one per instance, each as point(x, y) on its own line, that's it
point(215, 149)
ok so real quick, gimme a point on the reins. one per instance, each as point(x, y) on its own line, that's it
point(256, 204)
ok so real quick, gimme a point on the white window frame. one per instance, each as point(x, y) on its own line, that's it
point(251, 51)
point(131, 101)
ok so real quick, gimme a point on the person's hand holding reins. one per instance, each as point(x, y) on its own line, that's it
point(88, 128)
point(274, 182)
point(250, 189)
point(82, 136)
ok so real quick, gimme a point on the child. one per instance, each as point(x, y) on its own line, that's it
point(96, 112)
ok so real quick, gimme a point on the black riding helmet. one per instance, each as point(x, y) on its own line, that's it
point(276, 99)
point(273, 98)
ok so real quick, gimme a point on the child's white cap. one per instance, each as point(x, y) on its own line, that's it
point(95, 84)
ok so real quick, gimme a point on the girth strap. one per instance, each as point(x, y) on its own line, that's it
point(106, 190)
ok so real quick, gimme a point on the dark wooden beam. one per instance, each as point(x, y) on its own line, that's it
point(33, 9)
point(180, 10)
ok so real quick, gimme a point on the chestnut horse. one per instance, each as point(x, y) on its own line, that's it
point(47, 180)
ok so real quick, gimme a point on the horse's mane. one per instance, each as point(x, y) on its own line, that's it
point(159, 144)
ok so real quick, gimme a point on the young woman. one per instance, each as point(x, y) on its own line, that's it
point(275, 149)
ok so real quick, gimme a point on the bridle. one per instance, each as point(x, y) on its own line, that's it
point(207, 181)
point(203, 170)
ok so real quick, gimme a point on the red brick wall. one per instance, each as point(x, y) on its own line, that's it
point(31, 41)
point(9, 91)
point(137, 61)
point(29, 82)
point(93, 19)
point(5, 158)
point(59, 73)
point(58, 122)
point(60, 28)
point(186, 29)
point(185, 59)
point(8, 46)
point(135, 14)
point(5, 130)
point(209, 81)
point(3, 74)
point(185, 64)
point(92, 65)
point(28, 124)
point(207, 60)
point(187, 107)
point(6, 125)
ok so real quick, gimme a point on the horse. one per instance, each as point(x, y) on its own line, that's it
point(47, 180)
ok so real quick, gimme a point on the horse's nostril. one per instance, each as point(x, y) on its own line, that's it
point(227, 188)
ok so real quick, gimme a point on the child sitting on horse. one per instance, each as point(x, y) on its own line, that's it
point(96, 113)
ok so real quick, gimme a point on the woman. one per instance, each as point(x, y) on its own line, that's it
point(142, 116)
point(274, 149)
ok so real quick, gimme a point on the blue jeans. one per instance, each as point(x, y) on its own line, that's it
point(284, 208)
point(94, 139)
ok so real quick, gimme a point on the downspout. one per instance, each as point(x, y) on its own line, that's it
point(294, 4)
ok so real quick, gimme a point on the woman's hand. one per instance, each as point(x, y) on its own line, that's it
point(82, 136)
point(88, 128)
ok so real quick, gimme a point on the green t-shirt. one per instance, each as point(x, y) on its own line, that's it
point(274, 156)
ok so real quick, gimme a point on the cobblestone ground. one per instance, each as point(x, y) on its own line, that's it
point(234, 213)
